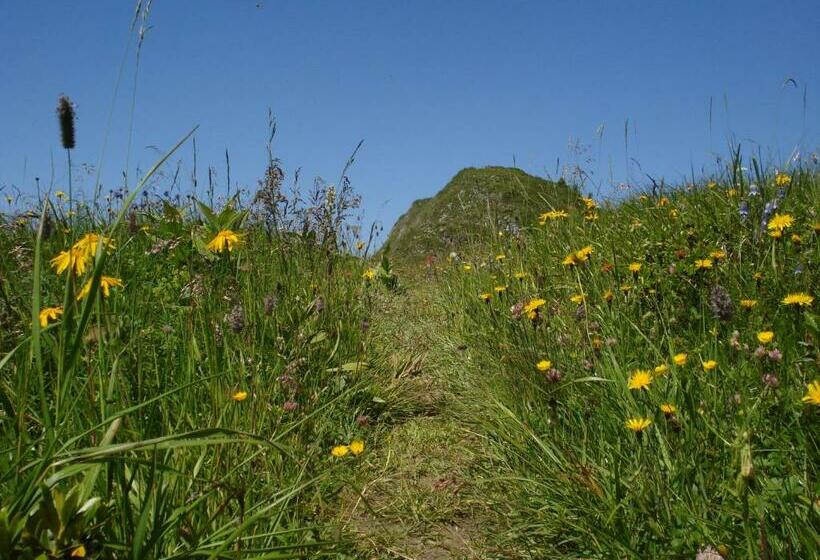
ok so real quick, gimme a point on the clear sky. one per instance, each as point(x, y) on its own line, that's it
point(431, 87)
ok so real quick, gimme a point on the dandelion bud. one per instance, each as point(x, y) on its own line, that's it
point(66, 115)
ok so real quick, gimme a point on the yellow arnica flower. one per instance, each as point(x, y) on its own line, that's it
point(765, 337)
point(680, 359)
point(87, 244)
point(543, 365)
point(340, 451)
point(703, 264)
point(640, 379)
point(782, 180)
point(635, 267)
point(748, 303)
point(780, 222)
point(801, 299)
point(638, 424)
point(589, 203)
point(225, 239)
point(669, 408)
point(661, 369)
point(718, 254)
point(500, 257)
point(49, 314)
point(106, 283)
point(356, 446)
point(239, 396)
point(78, 552)
point(709, 365)
point(591, 216)
point(583, 254)
point(812, 395)
point(531, 309)
point(486, 296)
point(73, 259)
point(369, 274)
point(577, 298)
point(552, 215)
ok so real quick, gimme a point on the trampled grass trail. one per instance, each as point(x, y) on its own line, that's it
point(423, 485)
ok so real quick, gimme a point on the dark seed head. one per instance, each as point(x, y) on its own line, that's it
point(66, 116)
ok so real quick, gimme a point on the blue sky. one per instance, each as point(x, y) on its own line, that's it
point(431, 87)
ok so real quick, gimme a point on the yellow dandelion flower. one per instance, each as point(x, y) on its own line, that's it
point(812, 395)
point(239, 396)
point(500, 289)
point(638, 424)
point(640, 379)
point(486, 297)
point(369, 274)
point(782, 180)
point(663, 201)
point(702, 264)
point(340, 451)
point(780, 222)
point(49, 314)
point(106, 283)
point(711, 185)
point(532, 307)
point(661, 369)
point(608, 295)
point(796, 239)
point(589, 203)
point(765, 337)
point(625, 287)
point(577, 298)
point(776, 233)
point(357, 447)
point(74, 259)
point(569, 260)
point(500, 257)
point(520, 275)
point(225, 239)
point(800, 299)
point(467, 267)
point(78, 552)
point(543, 365)
point(552, 215)
point(668, 408)
point(731, 193)
point(60, 194)
point(635, 267)
point(718, 254)
point(680, 359)
point(87, 244)
point(709, 365)
point(748, 303)
point(583, 254)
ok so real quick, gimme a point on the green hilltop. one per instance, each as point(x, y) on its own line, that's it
point(501, 198)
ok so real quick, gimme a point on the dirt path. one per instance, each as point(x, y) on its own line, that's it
point(421, 485)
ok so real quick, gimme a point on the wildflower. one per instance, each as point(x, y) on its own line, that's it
point(500, 257)
point(369, 274)
point(531, 309)
point(583, 254)
point(770, 380)
point(720, 303)
point(663, 201)
point(779, 223)
point(290, 406)
point(776, 234)
point(60, 194)
point(591, 216)
point(589, 202)
point(812, 395)
point(607, 267)
point(661, 369)
point(577, 298)
point(800, 299)
point(554, 375)
point(709, 365)
point(638, 424)
point(731, 193)
point(782, 180)
point(543, 365)
point(702, 264)
point(360, 245)
point(668, 408)
point(625, 288)
point(467, 267)
point(225, 239)
point(239, 396)
point(486, 297)
point(748, 303)
point(569, 260)
point(635, 267)
point(340, 451)
point(49, 314)
point(236, 318)
point(743, 210)
point(680, 359)
point(640, 379)
point(78, 552)
point(711, 185)
point(71, 259)
point(796, 239)
point(87, 244)
point(520, 275)
point(552, 215)
point(718, 254)
point(765, 337)
point(106, 283)
point(608, 295)
point(356, 446)
point(500, 289)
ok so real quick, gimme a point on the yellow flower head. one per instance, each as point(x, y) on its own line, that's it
point(608, 295)
point(543, 365)
point(369, 274)
point(782, 180)
point(668, 408)
point(360, 245)
point(635, 267)
point(486, 296)
point(638, 424)
point(552, 215)
point(106, 283)
point(500, 257)
point(577, 298)
point(239, 396)
point(500, 289)
point(78, 552)
point(796, 239)
point(569, 260)
point(661, 369)
point(800, 299)
point(718, 254)
point(780, 222)
point(680, 359)
point(49, 314)
point(583, 254)
point(765, 337)
point(87, 244)
point(532, 307)
point(60, 194)
point(812, 395)
point(709, 365)
point(74, 259)
point(356, 447)
point(225, 239)
point(467, 267)
point(640, 379)
point(701, 264)
point(340, 451)
point(748, 303)
point(589, 203)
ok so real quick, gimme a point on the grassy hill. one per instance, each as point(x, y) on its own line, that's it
point(501, 197)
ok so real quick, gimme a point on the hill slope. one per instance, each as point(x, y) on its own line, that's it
point(500, 197)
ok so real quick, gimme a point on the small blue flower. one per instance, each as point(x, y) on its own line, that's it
point(754, 190)
point(744, 209)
